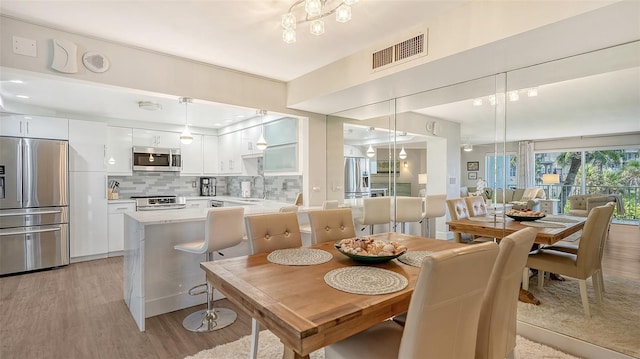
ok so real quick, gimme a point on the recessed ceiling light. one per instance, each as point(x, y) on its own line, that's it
point(477, 102)
point(217, 124)
point(532, 92)
point(228, 121)
point(16, 81)
point(22, 96)
point(240, 116)
point(514, 96)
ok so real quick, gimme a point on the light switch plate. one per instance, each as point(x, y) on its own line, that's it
point(24, 46)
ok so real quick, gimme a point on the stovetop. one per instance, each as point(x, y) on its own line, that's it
point(150, 203)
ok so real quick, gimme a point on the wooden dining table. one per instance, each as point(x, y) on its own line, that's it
point(499, 228)
point(296, 304)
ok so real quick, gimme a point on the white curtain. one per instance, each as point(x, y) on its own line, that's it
point(527, 164)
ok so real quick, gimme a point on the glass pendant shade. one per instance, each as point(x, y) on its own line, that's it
point(402, 154)
point(288, 21)
point(186, 137)
point(289, 36)
point(261, 144)
point(313, 7)
point(317, 27)
point(343, 13)
point(370, 152)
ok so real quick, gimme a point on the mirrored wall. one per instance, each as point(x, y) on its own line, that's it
point(487, 132)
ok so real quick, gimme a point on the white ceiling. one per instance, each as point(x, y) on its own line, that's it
point(574, 98)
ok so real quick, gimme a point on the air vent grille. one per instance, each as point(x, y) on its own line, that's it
point(408, 48)
point(382, 57)
point(402, 51)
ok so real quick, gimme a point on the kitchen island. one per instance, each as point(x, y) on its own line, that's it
point(157, 277)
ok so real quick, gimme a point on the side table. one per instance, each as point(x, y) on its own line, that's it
point(549, 206)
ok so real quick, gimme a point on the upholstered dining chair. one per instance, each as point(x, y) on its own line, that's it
point(435, 206)
point(305, 228)
point(408, 209)
point(290, 208)
point(266, 233)
point(570, 247)
point(443, 312)
point(330, 204)
point(476, 206)
point(223, 229)
point(497, 324)
point(582, 265)
point(375, 210)
point(458, 210)
point(331, 225)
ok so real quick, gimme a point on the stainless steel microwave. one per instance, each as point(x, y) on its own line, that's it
point(157, 159)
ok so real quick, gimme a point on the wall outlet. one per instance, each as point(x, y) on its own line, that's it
point(194, 184)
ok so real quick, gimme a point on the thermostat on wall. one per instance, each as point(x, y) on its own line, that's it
point(95, 62)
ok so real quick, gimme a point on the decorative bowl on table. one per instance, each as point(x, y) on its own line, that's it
point(369, 250)
point(525, 215)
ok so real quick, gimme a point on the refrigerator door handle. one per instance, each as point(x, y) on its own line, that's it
point(16, 214)
point(24, 231)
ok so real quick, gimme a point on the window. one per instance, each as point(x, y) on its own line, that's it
point(495, 173)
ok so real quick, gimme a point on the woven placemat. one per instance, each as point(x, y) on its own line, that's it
point(299, 256)
point(543, 224)
point(560, 219)
point(414, 258)
point(365, 280)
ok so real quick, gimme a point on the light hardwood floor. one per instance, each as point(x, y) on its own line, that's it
point(78, 312)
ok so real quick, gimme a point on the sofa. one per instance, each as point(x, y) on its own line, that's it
point(582, 204)
point(521, 198)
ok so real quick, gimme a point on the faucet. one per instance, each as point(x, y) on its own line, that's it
point(264, 185)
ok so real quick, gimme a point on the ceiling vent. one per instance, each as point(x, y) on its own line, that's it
point(403, 51)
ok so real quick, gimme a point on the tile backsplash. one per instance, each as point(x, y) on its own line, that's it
point(281, 188)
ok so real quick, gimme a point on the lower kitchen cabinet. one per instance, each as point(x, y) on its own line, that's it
point(88, 215)
point(198, 203)
point(116, 226)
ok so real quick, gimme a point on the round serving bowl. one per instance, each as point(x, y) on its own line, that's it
point(368, 259)
point(525, 218)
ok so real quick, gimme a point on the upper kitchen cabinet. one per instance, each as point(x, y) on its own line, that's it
point(250, 136)
point(34, 127)
point(192, 164)
point(229, 153)
point(119, 152)
point(151, 138)
point(87, 145)
point(210, 155)
point(281, 154)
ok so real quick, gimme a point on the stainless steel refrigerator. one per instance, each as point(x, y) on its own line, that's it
point(356, 177)
point(34, 204)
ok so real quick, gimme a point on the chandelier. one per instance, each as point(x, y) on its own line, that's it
point(314, 12)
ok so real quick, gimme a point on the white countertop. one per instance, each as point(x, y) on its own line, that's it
point(198, 214)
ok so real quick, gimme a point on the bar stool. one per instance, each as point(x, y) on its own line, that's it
point(408, 209)
point(435, 206)
point(375, 211)
point(223, 229)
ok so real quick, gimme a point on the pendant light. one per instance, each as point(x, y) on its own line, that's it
point(186, 137)
point(402, 154)
point(371, 152)
point(261, 144)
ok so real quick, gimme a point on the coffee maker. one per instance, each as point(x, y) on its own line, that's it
point(207, 186)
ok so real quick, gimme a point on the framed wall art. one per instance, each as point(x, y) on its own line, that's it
point(472, 175)
point(473, 166)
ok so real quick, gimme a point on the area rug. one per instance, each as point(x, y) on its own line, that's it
point(613, 324)
point(270, 347)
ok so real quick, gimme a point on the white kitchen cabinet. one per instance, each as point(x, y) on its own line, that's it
point(210, 155)
point(119, 153)
point(152, 138)
point(88, 214)
point(229, 153)
point(250, 136)
point(192, 164)
point(116, 226)
point(34, 127)
point(198, 203)
point(282, 153)
point(87, 145)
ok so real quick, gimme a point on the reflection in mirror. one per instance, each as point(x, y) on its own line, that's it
point(577, 119)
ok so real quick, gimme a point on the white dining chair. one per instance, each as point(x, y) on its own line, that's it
point(266, 233)
point(375, 210)
point(442, 320)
